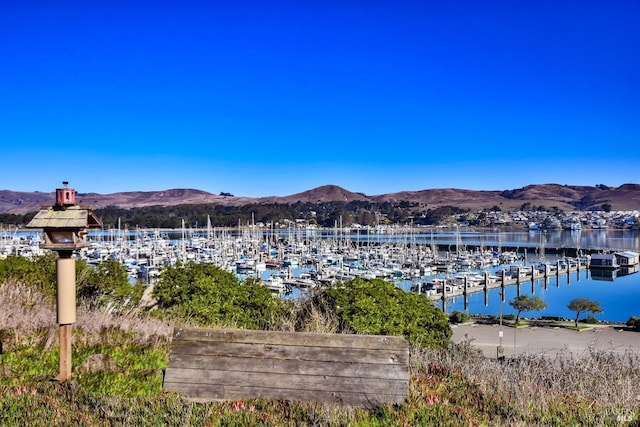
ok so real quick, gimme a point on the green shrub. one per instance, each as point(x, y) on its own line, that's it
point(108, 283)
point(459, 317)
point(380, 308)
point(634, 322)
point(590, 320)
point(509, 317)
point(38, 272)
point(207, 295)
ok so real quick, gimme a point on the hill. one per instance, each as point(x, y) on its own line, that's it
point(565, 197)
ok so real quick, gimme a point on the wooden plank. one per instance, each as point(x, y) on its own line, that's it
point(358, 370)
point(257, 350)
point(292, 366)
point(209, 392)
point(284, 381)
point(291, 338)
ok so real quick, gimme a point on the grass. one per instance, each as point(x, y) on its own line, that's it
point(119, 360)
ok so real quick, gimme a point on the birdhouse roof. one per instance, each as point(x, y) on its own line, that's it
point(71, 217)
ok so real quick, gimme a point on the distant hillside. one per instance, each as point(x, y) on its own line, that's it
point(566, 197)
point(325, 193)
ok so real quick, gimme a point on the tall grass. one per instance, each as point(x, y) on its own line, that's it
point(28, 317)
point(599, 385)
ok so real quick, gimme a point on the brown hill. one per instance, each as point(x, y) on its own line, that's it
point(325, 193)
point(445, 196)
point(566, 197)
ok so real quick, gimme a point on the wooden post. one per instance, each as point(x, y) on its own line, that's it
point(466, 301)
point(444, 296)
point(486, 289)
point(558, 274)
point(533, 279)
point(518, 283)
point(65, 333)
point(66, 309)
point(502, 285)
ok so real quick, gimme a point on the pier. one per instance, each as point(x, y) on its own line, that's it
point(519, 276)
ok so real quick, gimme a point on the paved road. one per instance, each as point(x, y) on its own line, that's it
point(546, 340)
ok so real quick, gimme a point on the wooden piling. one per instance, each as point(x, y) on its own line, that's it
point(486, 289)
point(465, 294)
point(533, 279)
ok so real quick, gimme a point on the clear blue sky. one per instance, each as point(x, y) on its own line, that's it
point(262, 98)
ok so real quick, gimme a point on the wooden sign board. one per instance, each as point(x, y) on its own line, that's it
point(232, 364)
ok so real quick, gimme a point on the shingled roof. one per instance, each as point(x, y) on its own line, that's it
point(70, 217)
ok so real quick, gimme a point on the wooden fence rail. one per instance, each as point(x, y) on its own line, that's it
point(231, 364)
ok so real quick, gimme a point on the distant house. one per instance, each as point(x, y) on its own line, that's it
point(225, 194)
point(627, 258)
point(604, 261)
point(615, 260)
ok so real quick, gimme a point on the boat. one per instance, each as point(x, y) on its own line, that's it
point(275, 284)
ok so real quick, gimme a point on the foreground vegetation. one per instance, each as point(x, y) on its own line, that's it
point(120, 351)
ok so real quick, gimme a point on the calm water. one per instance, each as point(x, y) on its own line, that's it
point(619, 298)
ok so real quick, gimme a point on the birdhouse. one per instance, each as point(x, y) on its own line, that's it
point(65, 227)
point(65, 224)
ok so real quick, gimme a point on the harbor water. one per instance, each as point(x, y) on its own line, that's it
point(618, 294)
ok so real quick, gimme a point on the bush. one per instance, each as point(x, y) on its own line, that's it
point(509, 317)
point(107, 285)
point(634, 322)
point(459, 317)
point(207, 295)
point(590, 320)
point(38, 272)
point(380, 308)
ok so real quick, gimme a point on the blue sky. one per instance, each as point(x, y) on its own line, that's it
point(273, 98)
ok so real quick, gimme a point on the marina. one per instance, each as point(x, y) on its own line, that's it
point(470, 270)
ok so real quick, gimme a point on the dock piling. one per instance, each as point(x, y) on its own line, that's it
point(486, 289)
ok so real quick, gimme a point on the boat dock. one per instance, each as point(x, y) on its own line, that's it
point(462, 285)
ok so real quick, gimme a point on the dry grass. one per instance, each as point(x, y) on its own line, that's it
point(600, 379)
point(29, 318)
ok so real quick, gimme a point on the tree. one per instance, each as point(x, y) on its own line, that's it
point(583, 305)
point(527, 303)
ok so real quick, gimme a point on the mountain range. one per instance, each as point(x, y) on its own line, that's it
point(565, 197)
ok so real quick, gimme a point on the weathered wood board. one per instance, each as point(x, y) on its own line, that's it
point(233, 364)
